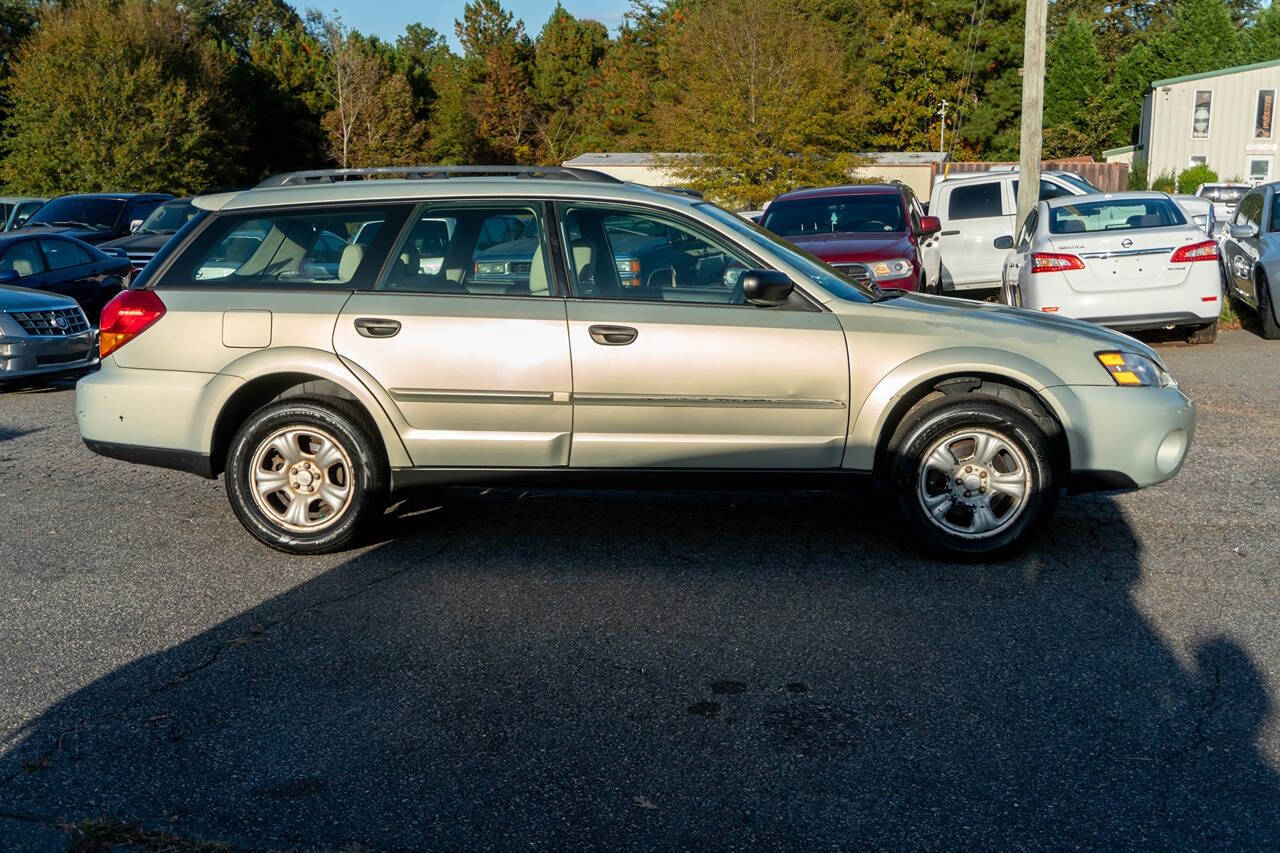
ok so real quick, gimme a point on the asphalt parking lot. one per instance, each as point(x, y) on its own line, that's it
point(528, 668)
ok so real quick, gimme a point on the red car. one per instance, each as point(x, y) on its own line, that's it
point(864, 231)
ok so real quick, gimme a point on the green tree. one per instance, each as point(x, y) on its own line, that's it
point(1202, 38)
point(749, 86)
point(906, 83)
point(1264, 35)
point(114, 95)
point(278, 85)
point(1078, 117)
point(568, 52)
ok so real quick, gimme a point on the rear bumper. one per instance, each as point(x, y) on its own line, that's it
point(1124, 438)
point(178, 460)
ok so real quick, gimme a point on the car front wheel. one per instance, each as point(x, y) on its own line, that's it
point(974, 478)
point(303, 474)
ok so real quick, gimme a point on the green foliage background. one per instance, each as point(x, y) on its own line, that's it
point(156, 94)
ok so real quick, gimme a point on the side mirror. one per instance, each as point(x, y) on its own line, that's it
point(1004, 241)
point(1244, 230)
point(8, 276)
point(134, 226)
point(930, 225)
point(766, 288)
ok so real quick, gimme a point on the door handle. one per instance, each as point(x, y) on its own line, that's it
point(372, 327)
point(613, 336)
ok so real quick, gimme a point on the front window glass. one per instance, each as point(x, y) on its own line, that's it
point(853, 214)
point(310, 248)
point(487, 250)
point(817, 271)
point(61, 254)
point(168, 218)
point(1114, 215)
point(621, 254)
point(975, 201)
point(91, 214)
point(1250, 210)
point(23, 258)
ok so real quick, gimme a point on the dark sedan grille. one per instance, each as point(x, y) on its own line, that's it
point(140, 259)
point(520, 267)
point(55, 323)
point(860, 273)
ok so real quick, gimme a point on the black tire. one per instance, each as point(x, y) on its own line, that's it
point(950, 416)
point(1267, 311)
point(366, 478)
point(1203, 334)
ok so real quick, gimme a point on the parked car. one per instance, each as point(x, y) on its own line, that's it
point(869, 231)
point(1198, 210)
point(140, 246)
point(1224, 197)
point(98, 217)
point(1251, 256)
point(64, 265)
point(15, 210)
point(977, 209)
point(1125, 260)
point(317, 398)
point(42, 334)
point(752, 216)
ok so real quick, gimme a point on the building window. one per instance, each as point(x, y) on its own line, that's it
point(1266, 112)
point(1198, 160)
point(1259, 170)
point(1201, 113)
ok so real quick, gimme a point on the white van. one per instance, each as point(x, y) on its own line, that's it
point(977, 210)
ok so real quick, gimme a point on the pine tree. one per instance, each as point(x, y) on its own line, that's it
point(1202, 38)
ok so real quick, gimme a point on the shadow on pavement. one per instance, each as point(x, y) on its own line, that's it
point(519, 669)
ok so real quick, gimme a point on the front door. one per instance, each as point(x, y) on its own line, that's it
point(467, 336)
point(672, 369)
point(1240, 254)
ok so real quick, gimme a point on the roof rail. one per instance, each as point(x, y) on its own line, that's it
point(414, 173)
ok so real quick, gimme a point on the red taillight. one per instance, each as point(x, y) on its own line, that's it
point(1206, 251)
point(126, 316)
point(1050, 262)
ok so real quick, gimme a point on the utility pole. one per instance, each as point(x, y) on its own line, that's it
point(1032, 108)
point(942, 134)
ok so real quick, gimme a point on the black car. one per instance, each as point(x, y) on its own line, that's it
point(96, 217)
point(142, 245)
point(56, 263)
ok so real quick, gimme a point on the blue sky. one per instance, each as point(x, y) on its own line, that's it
point(387, 18)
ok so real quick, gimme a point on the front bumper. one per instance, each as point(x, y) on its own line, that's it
point(1124, 437)
point(24, 357)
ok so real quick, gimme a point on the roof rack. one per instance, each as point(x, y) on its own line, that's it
point(417, 173)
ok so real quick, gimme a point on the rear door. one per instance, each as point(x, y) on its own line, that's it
point(72, 273)
point(466, 333)
point(977, 213)
point(671, 367)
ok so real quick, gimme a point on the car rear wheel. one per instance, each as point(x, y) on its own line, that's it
point(974, 478)
point(304, 474)
point(1267, 311)
point(1203, 334)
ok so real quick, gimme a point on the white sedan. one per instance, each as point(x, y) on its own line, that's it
point(1129, 261)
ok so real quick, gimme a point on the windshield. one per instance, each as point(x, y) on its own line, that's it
point(1078, 182)
point(1223, 195)
point(94, 214)
point(814, 269)
point(1114, 215)
point(851, 214)
point(168, 218)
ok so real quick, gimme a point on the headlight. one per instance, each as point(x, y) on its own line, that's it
point(626, 266)
point(896, 268)
point(1127, 368)
point(491, 268)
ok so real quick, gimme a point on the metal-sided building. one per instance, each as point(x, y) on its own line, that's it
point(1225, 119)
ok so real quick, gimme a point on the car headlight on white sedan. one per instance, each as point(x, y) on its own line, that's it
point(893, 268)
point(1133, 370)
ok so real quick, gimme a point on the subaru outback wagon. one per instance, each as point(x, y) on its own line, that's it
point(320, 389)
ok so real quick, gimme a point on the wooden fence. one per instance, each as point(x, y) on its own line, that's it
point(1109, 177)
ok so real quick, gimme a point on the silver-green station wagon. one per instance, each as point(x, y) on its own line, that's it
point(326, 340)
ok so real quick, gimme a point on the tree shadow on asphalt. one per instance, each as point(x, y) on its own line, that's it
point(609, 669)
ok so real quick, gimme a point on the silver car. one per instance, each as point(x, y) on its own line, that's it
point(43, 334)
point(633, 336)
point(1251, 256)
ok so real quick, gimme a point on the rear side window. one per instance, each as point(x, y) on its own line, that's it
point(1114, 215)
point(1250, 210)
point(341, 247)
point(63, 253)
point(975, 201)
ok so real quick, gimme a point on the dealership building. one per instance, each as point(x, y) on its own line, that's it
point(1225, 119)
